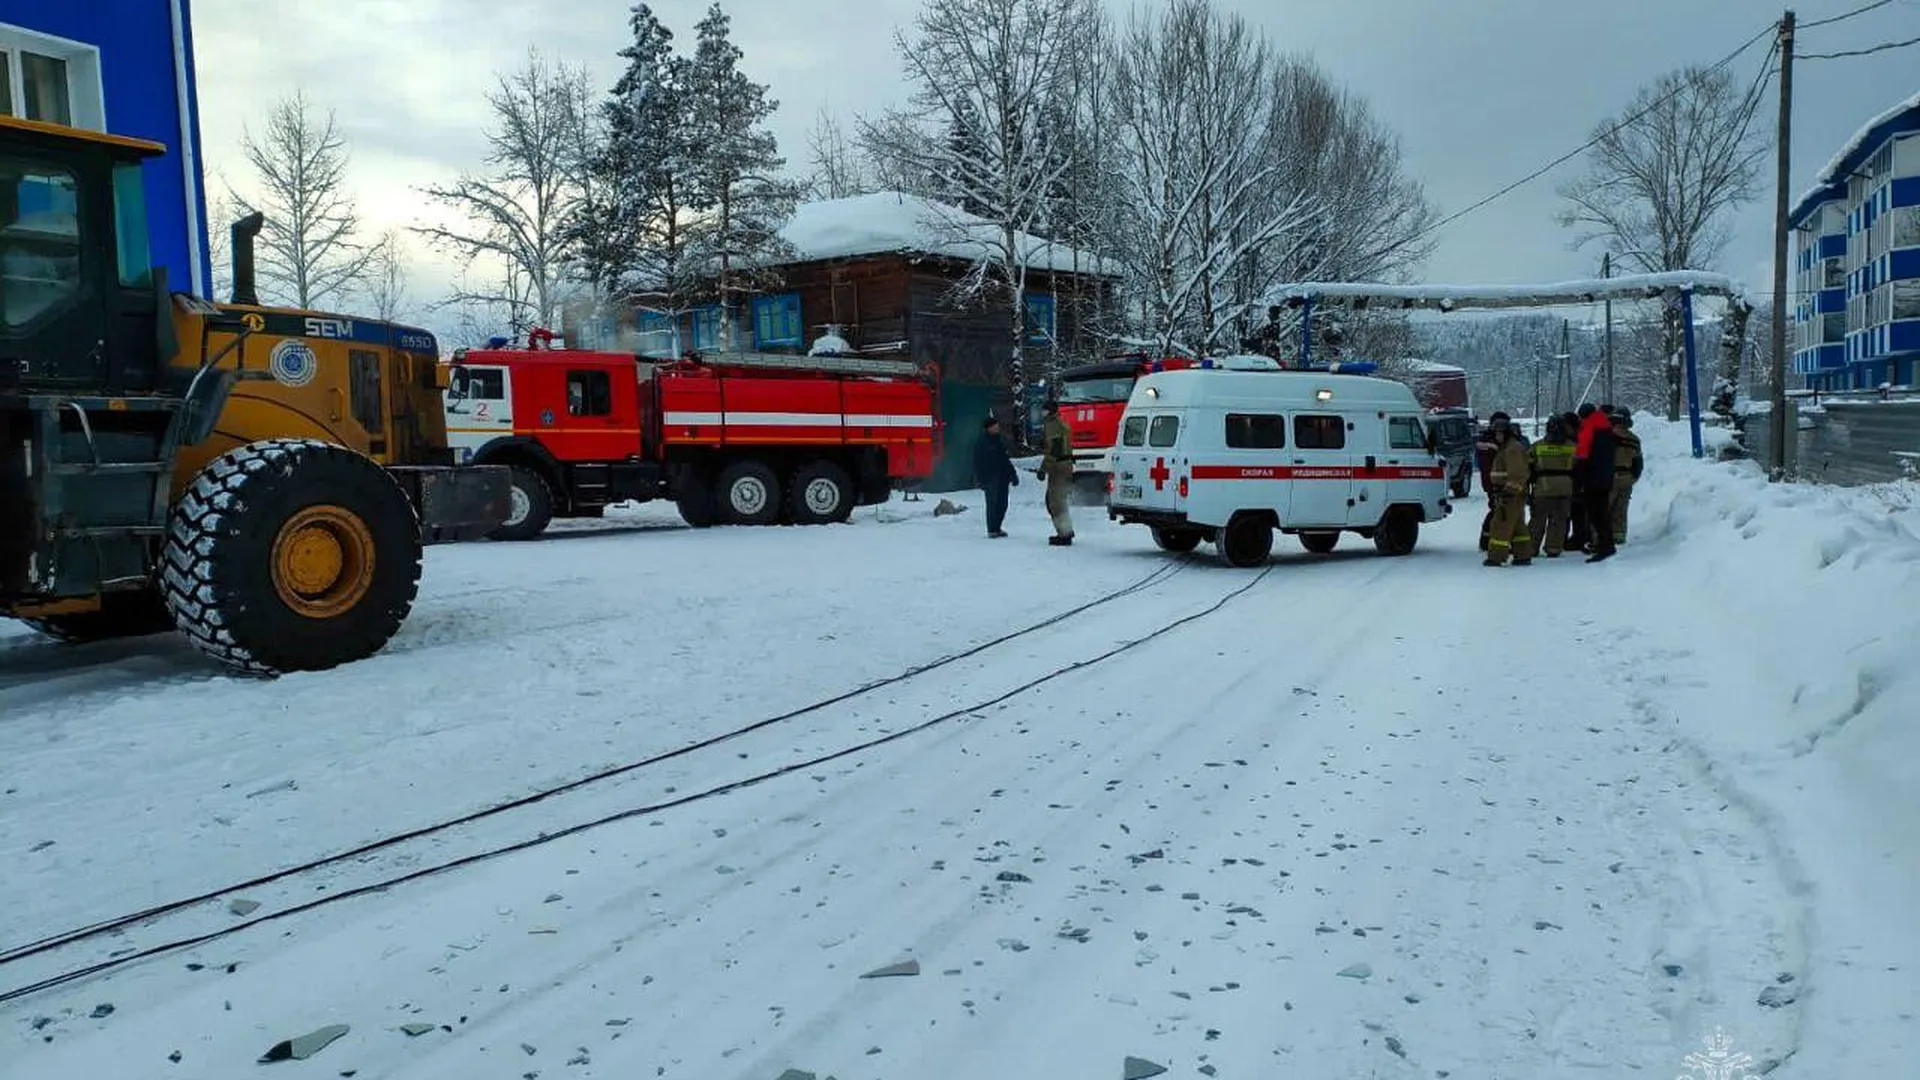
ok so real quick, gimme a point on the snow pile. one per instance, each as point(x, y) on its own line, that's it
point(1804, 706)
point(831, 345)
point(890, 222)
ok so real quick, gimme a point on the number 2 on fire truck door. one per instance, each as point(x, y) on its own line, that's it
point(1322, 471)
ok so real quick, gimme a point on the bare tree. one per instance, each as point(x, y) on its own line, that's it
point(1195, 119)
point(386, 280)
point(223, 209)
point(516, 212)
point(993, 66)
point(837, 169)
point(307, 250)
point(1662, 183)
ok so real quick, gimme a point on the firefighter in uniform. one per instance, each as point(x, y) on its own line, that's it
point(1552, 488)
point(1509, 473)
point(1485, 445)
point(1628, 463)
point(1577, 520)
point(1056, 465)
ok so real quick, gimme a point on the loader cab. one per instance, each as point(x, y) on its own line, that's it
point(79, 299)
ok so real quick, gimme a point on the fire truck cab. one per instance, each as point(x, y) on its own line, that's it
point(1231, 456)
point(737, 439)
point(1092, 397)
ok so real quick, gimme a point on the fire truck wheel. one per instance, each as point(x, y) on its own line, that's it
point(1319, 543)
point(1399, 531)
point(749, 494)
point(1247, 541)
point(822, 494)
point(531, 508)
point(1178, 541)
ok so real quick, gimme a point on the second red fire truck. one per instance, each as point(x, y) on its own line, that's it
point(1092, 398)
point(753, 439)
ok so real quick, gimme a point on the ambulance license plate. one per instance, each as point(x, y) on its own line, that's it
point(1129, 491)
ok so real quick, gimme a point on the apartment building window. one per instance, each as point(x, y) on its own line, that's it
point(1906, 226)
point(1906, 298)
point(50, 79)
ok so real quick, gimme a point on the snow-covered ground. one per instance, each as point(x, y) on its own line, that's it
point(1356, 817)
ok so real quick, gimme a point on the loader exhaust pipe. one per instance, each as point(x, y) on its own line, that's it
point(244, 230)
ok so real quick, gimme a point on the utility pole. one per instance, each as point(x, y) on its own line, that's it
point(1606, 271)
point(1536, 390)
point(1777, 416)
point(1563, 379)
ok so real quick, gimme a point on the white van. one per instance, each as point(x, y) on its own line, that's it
point(1230, 456)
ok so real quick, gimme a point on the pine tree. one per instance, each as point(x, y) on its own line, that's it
point(633, 232)
point(735, 186)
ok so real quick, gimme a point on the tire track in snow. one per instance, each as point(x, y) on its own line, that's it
point(402, 857)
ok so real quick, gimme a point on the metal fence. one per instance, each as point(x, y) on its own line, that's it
point(1843, 439)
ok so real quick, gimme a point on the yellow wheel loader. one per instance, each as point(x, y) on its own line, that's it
point(262, 479)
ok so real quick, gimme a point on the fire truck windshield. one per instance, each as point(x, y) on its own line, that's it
point(1098, 388)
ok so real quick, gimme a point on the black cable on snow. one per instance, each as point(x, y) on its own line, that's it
point(640, 811)
point(68, 937)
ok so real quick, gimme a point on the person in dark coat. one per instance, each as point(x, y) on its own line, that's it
point(1578, 535)
point(994, 473)
point(1595, 456)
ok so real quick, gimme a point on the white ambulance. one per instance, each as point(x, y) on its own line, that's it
point(1229, 455)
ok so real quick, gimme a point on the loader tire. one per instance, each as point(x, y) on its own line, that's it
point(291, 555)
point(128, 614)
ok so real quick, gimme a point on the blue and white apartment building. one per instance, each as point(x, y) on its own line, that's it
point(125, 67)
point(1856, 288)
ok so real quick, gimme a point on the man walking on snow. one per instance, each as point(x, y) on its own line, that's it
point(993, 472)
point(1595, 456)
point(1056, 464)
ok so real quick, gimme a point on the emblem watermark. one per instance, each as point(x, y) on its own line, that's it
point(1720, 1061)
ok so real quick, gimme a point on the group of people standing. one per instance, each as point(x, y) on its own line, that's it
point(1569, 491)
point(994, 473)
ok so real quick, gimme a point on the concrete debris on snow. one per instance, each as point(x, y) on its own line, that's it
point(904, 967)
point(1140, 1068)
point(302, 1047)
point(243, 907)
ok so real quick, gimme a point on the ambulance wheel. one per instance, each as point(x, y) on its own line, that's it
point(529, 508)
point(1319, 543)
point(749, 494)
point(822, 494)
point(1399, 531)
point(1247, 541)
point(1178, 541)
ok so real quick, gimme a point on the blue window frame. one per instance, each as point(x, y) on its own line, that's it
point(776, 321)
point(706, 327)
point(1040, 327)
point(657, 335)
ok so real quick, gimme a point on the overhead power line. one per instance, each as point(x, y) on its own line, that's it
point(1846, 16)
point(1590, 143)
point(1882, 47)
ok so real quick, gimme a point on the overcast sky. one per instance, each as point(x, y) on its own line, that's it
point(1481, 91)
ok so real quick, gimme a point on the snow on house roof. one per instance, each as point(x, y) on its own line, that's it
point(889, 221)
point(1832, 180)
point(1452, 297)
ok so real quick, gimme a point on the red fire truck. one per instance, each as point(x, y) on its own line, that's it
point(737, 439)
point(1092, 397)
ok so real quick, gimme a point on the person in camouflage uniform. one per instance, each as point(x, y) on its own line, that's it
point(1510, 473)
point(1056, 465)
point(1552, 488)
point(1628, 464)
